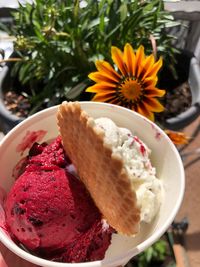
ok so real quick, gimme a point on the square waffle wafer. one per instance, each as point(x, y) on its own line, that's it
point(101, 170)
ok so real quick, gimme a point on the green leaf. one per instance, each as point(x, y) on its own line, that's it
point(149, 254)
point(109, 35)
point(123, 11)
point(24, 72)
point(67, 68)
point(76, 90)
point(93, 23)
point(61, 38)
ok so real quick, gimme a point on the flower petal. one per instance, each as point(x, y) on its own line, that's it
point(104, 97)
point(106, 68)
point(140, 56)
point(150, 82)
point(178, 138)
point(156, 67)
point(153, 104)
point(148, 64)
point(154, 92)
point(117, 57)
point(101, 88)
point(115, 101)
point(130, 59)
point(141, 108)
point(100, 77)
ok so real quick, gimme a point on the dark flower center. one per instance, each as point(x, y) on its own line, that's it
point(131, 89)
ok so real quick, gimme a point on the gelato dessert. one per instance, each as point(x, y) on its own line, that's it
point(71, 195)
point(50, 212)
point(142, 175)
point(116, 169)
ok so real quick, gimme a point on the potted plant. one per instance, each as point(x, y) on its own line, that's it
point(56, 48)
point(182, 100)
point(8, 119)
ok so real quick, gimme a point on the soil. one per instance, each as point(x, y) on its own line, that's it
point(17, 104)
point(176, 101)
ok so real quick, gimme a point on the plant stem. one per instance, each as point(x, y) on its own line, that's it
point(154, 46)
point(10, 60)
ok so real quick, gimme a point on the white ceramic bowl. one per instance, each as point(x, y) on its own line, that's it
point(165, 158)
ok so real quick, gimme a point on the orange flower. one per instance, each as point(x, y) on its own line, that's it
point(133, 85)
point(178, 138)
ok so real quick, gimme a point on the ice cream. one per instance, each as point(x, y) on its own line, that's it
point(49, 211)
point(116, 170)
point(135, 155)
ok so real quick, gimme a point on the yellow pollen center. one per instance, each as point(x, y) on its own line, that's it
point(131, 89)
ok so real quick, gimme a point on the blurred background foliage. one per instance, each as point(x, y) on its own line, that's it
point(58, 42)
